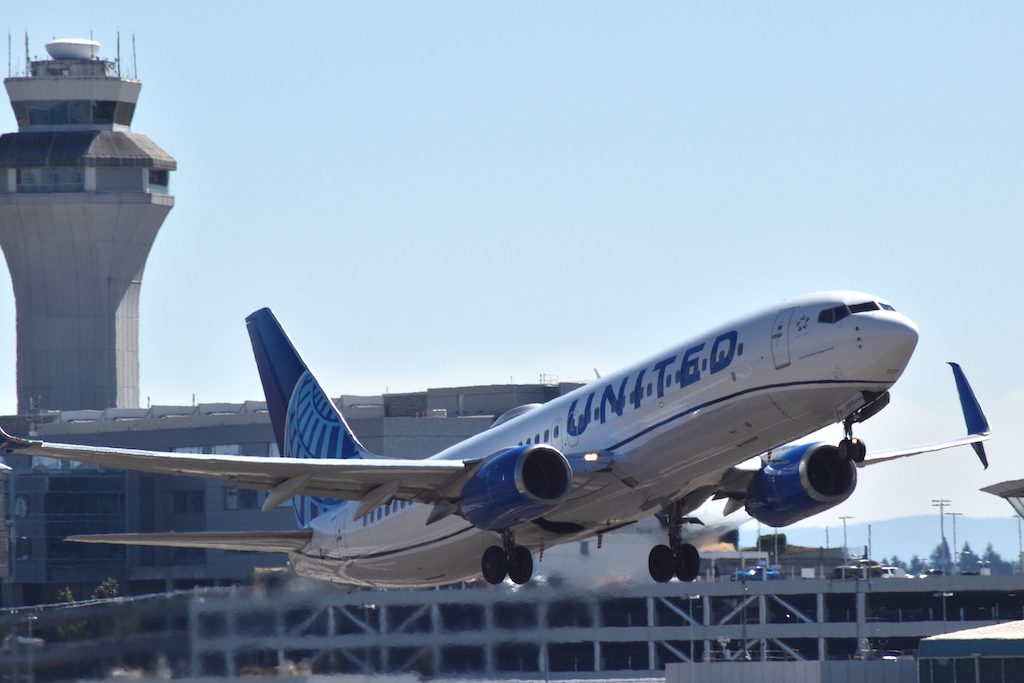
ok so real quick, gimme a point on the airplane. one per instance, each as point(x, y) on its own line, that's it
point(659, 437)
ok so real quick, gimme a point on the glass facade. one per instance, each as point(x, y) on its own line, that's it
point(73, 112)
point(55, 179)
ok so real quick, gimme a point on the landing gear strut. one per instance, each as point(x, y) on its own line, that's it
point(851, 448)
point(677, 558)
point(508, 559)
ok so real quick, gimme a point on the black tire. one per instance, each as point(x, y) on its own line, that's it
point(494, 566)
point(661, 563)
point(520, 565)
point(687, 562)
point(860, 451)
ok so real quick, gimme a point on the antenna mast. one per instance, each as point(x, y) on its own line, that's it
point(135, 64)
point(26, 54)
point(119, 53)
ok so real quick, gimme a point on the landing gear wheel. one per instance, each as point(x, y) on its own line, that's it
point(520, 565)
point(661, 563)
point(494, 565)
point(853, 449)
point(687, 562)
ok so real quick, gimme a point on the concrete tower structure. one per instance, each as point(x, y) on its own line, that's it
point(81, 200)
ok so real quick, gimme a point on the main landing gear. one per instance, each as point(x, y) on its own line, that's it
point(508, 559)
point(677, 558)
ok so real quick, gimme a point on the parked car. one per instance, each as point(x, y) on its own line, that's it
point(858, 569)
point(895, 573)
point(756, 573)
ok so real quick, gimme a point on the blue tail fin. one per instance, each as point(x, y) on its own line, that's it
point(306, 422)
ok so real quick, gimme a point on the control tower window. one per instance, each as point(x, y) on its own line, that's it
point(55, 179)
point(158, 181)
point(73, 112)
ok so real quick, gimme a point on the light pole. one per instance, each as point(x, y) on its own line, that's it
point(955, 553)
point(941, 503)
point(846, 552)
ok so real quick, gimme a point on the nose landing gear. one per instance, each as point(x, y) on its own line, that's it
point(678, 559)
point(851, 448)
point(854, 449)
point(509, 559)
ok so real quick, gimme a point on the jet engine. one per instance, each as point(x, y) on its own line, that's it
point(798, 482)
point(515, 486)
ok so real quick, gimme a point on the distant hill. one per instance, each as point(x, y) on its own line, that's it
point(903, 537)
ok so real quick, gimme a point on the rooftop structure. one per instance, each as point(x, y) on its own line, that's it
point(81, 200)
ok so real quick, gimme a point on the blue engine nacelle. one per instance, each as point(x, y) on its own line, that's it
point(516, 486)
point(798, 482)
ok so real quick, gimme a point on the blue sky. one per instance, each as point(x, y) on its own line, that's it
point(432, 194)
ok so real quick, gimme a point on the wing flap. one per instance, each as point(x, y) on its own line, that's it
point(251, 541)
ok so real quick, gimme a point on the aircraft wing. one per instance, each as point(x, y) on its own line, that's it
point(373, 482)
point(251, 541)
point(735, 481)
point(351, 479)
point(978, 430)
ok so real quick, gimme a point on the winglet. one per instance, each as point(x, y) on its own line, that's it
point(973, 415)
point(10, 444)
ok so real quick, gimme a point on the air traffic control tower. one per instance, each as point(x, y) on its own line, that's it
point(81, 200)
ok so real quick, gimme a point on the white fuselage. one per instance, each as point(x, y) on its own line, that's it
point(669, 425)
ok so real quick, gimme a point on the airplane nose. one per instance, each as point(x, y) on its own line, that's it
point(892, 337)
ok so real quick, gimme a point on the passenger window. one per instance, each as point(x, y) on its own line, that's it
point(739, 349)
point(632, 396)
point(677, 377)
point(668, 381)
point(556, 431)
point(597, 413)
point(527, 442)
point(546, 436)
point(704, 364)
point(650, 388)
point(536, 438)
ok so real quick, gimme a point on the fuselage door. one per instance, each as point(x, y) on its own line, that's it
point(780, 338)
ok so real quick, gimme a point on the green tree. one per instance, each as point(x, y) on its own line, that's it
point(939, 557)
point(995, 561)
point(108, 589)
point(967, 559)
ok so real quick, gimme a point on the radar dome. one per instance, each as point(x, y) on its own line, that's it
point(73, 48)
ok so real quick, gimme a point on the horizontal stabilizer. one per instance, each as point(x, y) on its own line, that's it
point(252, 541)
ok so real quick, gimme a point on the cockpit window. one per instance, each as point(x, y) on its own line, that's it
point(834, 314)
point(887, 307)
point(864, 307)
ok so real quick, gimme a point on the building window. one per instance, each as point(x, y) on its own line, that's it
point(226, 449)
point(158, 182)
point(51, 179)
point(187, 449)
point(241, 499)
point(73, 112)
point(187, 502)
